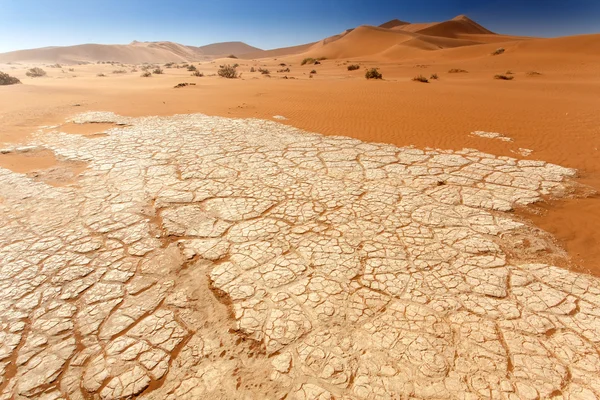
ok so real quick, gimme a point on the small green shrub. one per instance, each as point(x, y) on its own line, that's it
point(504, 77)
point(308, 60)
point(6, 79)
point(353, 67)
point(36, 72)
point(373, 73)
point(227, 71)
point(198, 74)
point(191, 68)
point(420, 78)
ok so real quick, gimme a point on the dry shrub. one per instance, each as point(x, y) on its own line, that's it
point(504, 77)
point(227, 71)
point(420, 78)
point(353, 67)
point(457, 71)
point(36, 72)
point(373, 73)
point(6, 79)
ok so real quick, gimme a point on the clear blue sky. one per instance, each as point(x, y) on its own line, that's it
point(267, 23)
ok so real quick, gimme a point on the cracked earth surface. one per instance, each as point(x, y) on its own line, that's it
point(205, 257)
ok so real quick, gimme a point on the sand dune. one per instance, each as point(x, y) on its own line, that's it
point(133, 53)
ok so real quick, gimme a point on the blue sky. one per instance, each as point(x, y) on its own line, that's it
point(267, 23)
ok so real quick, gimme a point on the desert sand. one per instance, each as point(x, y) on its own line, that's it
point(311, 235)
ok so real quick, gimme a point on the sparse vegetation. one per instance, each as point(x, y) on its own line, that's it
point(146, 74)
point(353, 67)
point(35, 72)
point(314, 71)
point(252, 69)
point(55, 66)
point(533, 73)
point(420, 78)
point(119, 71)
point(498, 51)
point(373, 73)
point(457, 71)
point(235, 65)
point(169, 65)
point(284, 70)
point(282, 64)
point(158, 71)
point(101, 75)
point(192, 68)
point(504, 77)
point(265, 71)
point(6, 79)
point(227, 71)
point(198, 74)
point(231, 56)
point(434, 76)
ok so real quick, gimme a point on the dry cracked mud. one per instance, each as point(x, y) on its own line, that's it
point(203, 257)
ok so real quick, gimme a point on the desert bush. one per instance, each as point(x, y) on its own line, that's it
point(353, 67)
point(119, 71)
point(146, 74)
point(198, 74)
point(373, 73)
point(231, 56)
point(533, 73)
point(457, 71)
point(420, 78)
point(498, 51)
point(314, 71)
point(265, 71)
point(284, 70)
point(227, 71)
point(317, 62)
point(282, 64)
point(36, 72)
point(6, 79)
point(55, 66)
point(169, 65)
point(157, 71)
point(504, 77)
point(434, 76)
point(235, 65)
point(308, 60)
point(191, 68)
point(252, 69)
point(100, 75)
point(180, 85)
